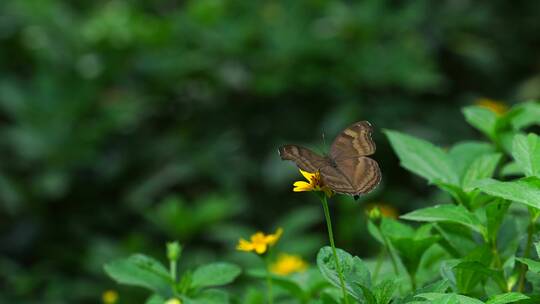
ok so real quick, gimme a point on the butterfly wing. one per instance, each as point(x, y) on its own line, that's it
point(354, 141)
point(353, 175)
point(304, 158)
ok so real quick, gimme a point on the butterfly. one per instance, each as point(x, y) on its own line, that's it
point(346, 168)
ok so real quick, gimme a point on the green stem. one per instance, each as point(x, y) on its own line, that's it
point(412, 276)
point(523, 269)
point(331, 238)
point(495, 251)
point(269, 283)
point(172, 270)
point(377, 269)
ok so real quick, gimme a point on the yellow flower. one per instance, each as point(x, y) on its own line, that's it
point(315, 183)
point(287, 264)
point(109, 297)
point(495, 106)
point(259, 242)
point(382, 209)
point(173, 301)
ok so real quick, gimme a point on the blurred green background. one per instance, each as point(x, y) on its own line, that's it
point(124, 124)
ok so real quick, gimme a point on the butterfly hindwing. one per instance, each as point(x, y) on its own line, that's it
point(304, 158)
point(354, 141)
point(362, 173)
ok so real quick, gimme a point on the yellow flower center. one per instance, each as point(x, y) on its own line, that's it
point(109, 297)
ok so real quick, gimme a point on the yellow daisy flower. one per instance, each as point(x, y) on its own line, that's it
point(315, 183)
point(109, 297)
point(381, 209)
point(287, 264)
point(260, 242)
point(495, 106)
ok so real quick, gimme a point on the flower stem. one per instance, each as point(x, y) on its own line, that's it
point(523, 269)
point(412, 276)
point(331, 238)
point(269, 283)
point(172, 270)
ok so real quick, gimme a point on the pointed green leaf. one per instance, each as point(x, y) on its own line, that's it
point(214, 274)
point(423, 158)
point(526, 152)
point(384, 291)
point(463, 154)
point(529, 115)
point(495, 212)
point(482, 119)
point(355, 272)
point(481, 168)
point(525, 191)
point(447, 213)
point(140, 270)
point(507, 298)
point(460, 298)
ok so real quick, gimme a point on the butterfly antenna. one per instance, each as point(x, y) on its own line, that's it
point(324, 149)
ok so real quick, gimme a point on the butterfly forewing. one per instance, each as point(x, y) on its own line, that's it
point(354, 141)
point(304, 158)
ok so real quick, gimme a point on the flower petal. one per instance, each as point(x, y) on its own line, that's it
point(244, 245)
point(271, 239)
point(307, 175)
point(300, 186)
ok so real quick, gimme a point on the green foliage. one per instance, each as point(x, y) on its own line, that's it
point(215, 274)
point(144, 271)
point(141, 270)
point(355, 272)
point(127, 123)
point(526, 152)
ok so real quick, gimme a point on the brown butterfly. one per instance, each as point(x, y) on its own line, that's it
point(346, 169)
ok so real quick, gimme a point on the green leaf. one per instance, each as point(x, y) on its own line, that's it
point(423, 158)
point(526, 152)
point(355, 272)
point(214, 274)
point(448, 297)
point(511, 169)
point(463, 154)
point(495, 212)
point(384, 291)
point(210, 296)
point(480, 269)
point(447, 213)
point(533, 265)
point(456, 239)
point(482, 119)
point(481, 168)
point(155, 299)
point(525, 191)
point(507, 298)
point(140, 270)
point(412, 248)
point(529, 115)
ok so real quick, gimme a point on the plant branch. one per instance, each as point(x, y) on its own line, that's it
point(331, 238)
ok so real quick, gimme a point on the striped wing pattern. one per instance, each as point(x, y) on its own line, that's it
point(352, 176)
point(347, 169)
point(303, 157)
point(354, 141)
